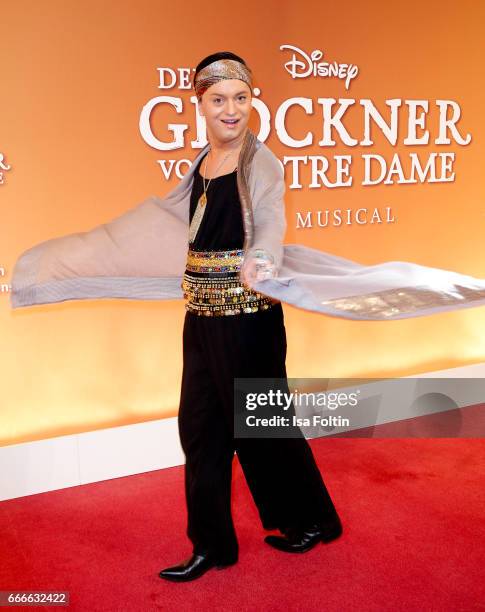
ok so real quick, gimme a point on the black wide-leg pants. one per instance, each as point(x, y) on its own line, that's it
point(281, 473)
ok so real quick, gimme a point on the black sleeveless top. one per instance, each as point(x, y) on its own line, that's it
point(221, 229)
point(222, 225)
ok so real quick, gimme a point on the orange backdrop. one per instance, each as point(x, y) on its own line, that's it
point(74, 79)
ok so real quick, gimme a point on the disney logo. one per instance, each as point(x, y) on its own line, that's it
point(308, 65)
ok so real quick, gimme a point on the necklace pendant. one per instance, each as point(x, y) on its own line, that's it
point(203, 200)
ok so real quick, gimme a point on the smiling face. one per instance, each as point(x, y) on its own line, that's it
point(225, 100)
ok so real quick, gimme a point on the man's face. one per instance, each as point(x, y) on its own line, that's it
point(227, 99)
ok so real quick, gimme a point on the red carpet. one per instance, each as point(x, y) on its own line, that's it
point(413, 513)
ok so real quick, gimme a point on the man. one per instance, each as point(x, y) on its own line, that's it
point(232, 331)
point(143, 255)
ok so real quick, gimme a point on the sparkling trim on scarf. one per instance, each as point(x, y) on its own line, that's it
point(392, 302)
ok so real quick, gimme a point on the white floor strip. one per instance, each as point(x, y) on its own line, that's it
point(67, 461)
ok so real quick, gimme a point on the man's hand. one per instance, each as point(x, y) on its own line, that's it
point(257, 267)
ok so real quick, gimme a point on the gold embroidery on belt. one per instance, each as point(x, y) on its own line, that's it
point(223, 294)
point(215, 261)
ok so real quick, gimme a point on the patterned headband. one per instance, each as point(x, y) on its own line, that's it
point(221, 69)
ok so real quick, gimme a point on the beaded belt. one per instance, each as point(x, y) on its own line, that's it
point(212, 286)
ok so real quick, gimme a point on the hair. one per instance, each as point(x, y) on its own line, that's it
point(214, 57)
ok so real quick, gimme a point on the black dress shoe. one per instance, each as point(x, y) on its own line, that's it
point(301, 540)
point(194, 567)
